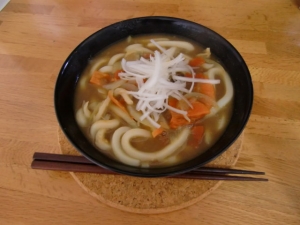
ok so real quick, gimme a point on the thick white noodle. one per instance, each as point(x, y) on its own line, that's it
point(171, 51)
point(212, 73)
point(81, 119)
point(83, 82)
point(206, 53)
point(100, 140)
point(93, 106)
point(106, 69)
point(103, 124)
point(97, 65)
point(132, 47)
point(114, 84)
point(152, 156)
point(139, 49)
point(207, 66)
point(137, 116)
point(124, 94)
point(179, 44)
point(221, 122)
point(115, 58)
point(208, 137)
point(102, 91)
point(102, 109)
point(129, 87)
point(117, 111)
point(171, 160)
point(118, 150)
point(86, 111)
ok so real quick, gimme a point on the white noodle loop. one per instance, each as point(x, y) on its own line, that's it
point(115, 58)
point(152, 156)
point(212, 73)
point(118, 150)
point(102, 109)
point(179, 44)
point(100, 140)
point(103, 124)
point(124, 94)
point(106, 69)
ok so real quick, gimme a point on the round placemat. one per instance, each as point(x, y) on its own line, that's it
point(149, 195)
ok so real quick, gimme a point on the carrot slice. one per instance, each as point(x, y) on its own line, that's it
point(172, 102)
point(157, 132)
point(177, 120)
point(115, 101)
point(196, 136)
point(198, 61)
point(207, 89)
point(198, 111)
point(99, 78)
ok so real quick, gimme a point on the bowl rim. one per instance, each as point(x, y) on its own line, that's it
point(149, 172)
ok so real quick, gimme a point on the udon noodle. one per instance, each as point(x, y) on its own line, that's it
point(154, 101)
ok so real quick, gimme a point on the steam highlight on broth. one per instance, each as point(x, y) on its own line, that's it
point(154, 101)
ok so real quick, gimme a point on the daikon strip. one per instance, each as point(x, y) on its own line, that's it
point(188, 79)
point(157, 79)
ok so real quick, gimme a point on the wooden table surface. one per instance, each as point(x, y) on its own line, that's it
point(37, 35)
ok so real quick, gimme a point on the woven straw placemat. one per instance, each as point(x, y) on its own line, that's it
point(149, 195)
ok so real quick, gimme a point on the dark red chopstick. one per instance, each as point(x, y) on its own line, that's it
point(48, 161)
point(61, 158)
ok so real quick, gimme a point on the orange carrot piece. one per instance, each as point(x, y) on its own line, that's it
point(177, 120)
point(172, 102)
point(198, 61)
point(196, 136)
point(99, 78)
point(157, 132)
point(198, 111)
point(188, 75)
point(207, 89)
point(115, 101)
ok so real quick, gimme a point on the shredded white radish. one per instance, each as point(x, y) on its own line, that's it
point(158, 79)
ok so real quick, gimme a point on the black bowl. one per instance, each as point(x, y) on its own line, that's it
point(78, 60)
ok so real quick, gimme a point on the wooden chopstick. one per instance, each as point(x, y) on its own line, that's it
point(83, 160)
point(48, 161)
point(61, 158)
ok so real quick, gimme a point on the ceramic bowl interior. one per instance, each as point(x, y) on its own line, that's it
point(79, 58)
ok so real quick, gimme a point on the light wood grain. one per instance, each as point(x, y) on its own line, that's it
point(37, 35)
